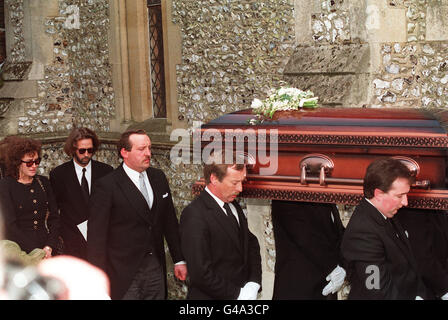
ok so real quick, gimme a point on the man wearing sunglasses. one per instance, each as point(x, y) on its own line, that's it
point(72, 183)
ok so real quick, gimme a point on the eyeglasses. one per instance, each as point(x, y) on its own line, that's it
point(30, 163)
point(83, 150)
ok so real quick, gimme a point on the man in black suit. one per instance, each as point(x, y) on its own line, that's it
point(307, 249)
point(223, 256)
point(380, 261)
point(72, 183)
point(131, 212)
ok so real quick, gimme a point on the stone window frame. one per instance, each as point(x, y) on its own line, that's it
point(26, 57)
point(129, 47)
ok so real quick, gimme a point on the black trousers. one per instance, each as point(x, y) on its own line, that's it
point(149, 281)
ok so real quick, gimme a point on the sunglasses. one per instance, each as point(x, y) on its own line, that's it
point(83, 150)
point(30, 163)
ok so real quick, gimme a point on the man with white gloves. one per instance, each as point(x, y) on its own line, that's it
point(335, 281)
point(307, 242)
point(223, 256)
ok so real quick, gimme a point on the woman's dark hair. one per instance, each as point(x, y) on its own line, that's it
point(381, 173)
point(16, 149)
point(3, 152)
point(79, 134)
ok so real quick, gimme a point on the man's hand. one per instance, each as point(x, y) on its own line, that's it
point(336, 280)
point(48, 250)
point(180, 271)
point(249, 291)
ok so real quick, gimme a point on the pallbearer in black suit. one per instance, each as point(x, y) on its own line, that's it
point(380, 261)
point(223, 256)
point(73, 182)
point(307, 246)
point(131, 212)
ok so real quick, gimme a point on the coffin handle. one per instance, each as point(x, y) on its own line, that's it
point(303, 174)
point(322, 176)
point(316, 164)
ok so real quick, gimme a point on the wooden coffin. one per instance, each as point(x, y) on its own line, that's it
point(323, 153)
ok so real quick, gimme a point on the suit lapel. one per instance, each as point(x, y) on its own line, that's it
point(218, 214)
point(243, 227)
point(132, 193)
point(402, 244)
point(154, 181)
point(95, 174)
point(73, 183)
point(404, 241)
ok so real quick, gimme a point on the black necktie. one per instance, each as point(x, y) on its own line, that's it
point(230, 216)
point(85, 185)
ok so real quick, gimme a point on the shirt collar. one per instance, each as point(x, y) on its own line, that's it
point(134, 175)
point(219, 201)
point(385, 218)
point(79, 168)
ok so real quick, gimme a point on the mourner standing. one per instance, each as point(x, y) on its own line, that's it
point(223, 256)
point(380, 261)
point(27, 201)
point(131, 212)
point(73, 182)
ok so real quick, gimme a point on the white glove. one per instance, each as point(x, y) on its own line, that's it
point(444, 297)
point(418, 298)
point(249, 291)
point(336, 279)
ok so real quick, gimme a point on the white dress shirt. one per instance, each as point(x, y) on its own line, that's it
point(135, 176)
point(78, 170)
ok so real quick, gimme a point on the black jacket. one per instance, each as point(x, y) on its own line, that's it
point(379, 264)
point(73, 208)
point(219, 263)
point(307, 247)
point(24, 209)
point(122, 228)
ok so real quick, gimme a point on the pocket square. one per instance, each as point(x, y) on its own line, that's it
point(165, 195)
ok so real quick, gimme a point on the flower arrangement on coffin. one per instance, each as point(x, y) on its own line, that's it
point(282, 99)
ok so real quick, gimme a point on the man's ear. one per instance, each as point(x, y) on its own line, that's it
point(378, 194)
point(213, 179)
point(124, 153)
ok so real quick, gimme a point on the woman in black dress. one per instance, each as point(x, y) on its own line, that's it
point(27, 201)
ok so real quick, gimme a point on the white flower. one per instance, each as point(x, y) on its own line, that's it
point(256, 103)
point(284, 99)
